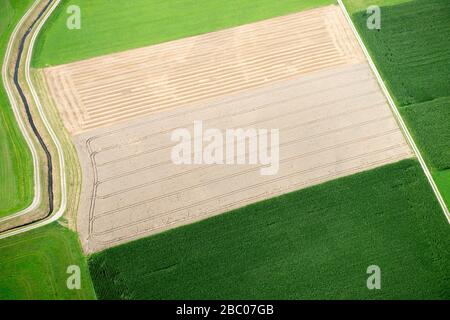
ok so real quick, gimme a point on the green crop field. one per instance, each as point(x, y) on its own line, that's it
point(34, 265)
point(442, 179)
point(16, 167)
point(111, 26)
point(412, 53)
point(313, 243)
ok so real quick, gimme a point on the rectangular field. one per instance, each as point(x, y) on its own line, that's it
point(314, 86)
point(34, 265)
point(110, 26)
point(314, 243)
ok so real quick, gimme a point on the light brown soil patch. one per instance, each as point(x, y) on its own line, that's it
point(332, 123)
point(303, 74)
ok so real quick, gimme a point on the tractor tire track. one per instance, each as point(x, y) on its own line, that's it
point(28, 112)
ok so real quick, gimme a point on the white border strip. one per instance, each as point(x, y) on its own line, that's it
point(62, 207)
point(397, 114)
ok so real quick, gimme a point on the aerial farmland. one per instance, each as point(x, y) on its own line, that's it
point(322, 88)
point(290, 149)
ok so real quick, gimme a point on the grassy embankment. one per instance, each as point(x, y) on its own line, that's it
point(34, 265)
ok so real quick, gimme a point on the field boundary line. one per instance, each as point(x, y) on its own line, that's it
point(397, 115)
point(55, 216)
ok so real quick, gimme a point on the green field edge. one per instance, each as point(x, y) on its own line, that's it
point(34, 265)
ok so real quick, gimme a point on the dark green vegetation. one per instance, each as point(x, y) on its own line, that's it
point(113, 25)
point(34, 265)
point(16, 168)
point(313, 243)
point(412, 53)
point(442, 179)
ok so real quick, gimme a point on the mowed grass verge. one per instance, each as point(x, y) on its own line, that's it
point(310, 244)
point(412, 53)
point(16, 167)
point(34, 265)
point(109, 26)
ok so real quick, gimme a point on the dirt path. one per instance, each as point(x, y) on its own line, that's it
point(332, 123)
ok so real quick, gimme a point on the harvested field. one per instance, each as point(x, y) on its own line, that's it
point(314, 86)
point(122, 86)
point(314, 243)
point(33, 266)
